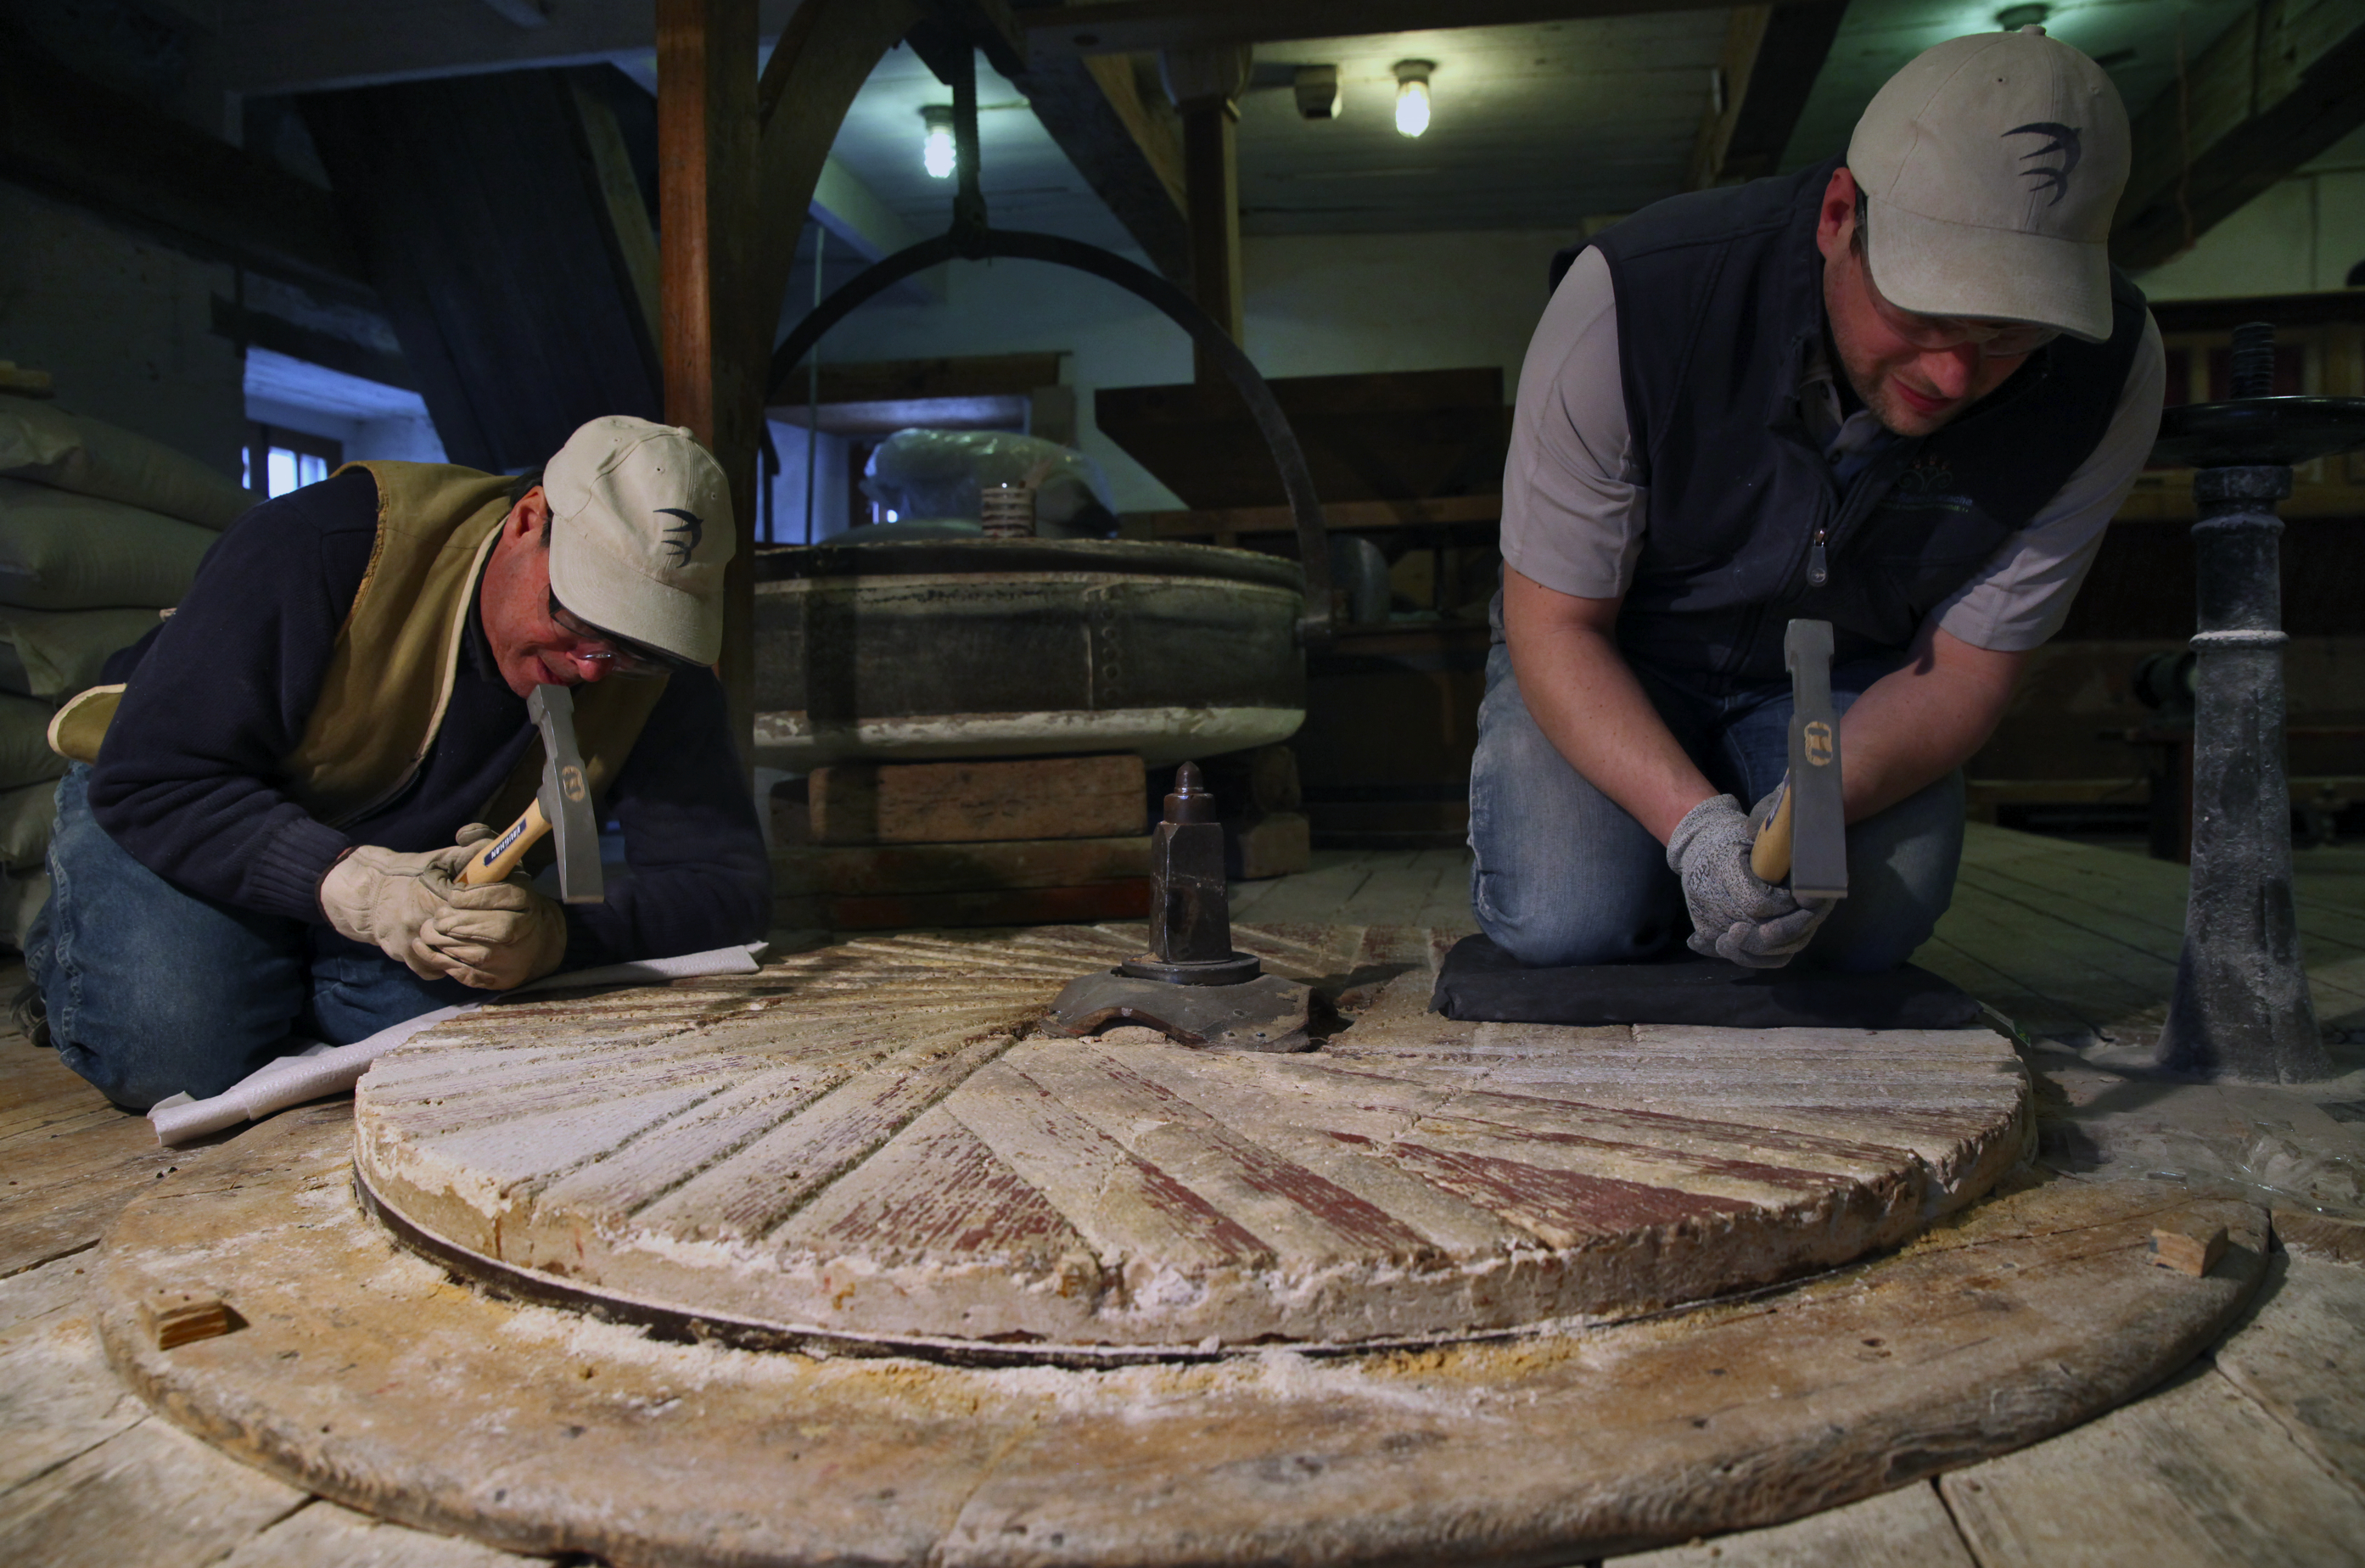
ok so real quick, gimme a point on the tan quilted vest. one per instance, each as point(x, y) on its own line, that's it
point(391, 670)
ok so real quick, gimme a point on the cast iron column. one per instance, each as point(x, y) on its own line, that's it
point(2241, 1007)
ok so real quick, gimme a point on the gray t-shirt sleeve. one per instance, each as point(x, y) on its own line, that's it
point(1572, 515)
point(2021, 596)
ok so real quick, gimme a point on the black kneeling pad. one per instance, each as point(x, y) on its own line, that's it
point(1482, 982)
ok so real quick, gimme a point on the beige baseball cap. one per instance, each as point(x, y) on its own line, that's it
point(640, 531)
point(1992, 164)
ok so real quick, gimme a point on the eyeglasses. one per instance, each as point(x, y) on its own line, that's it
point(625, 659)
point(1932, 334)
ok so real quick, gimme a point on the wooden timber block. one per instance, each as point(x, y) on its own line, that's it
point(26, 382)
point(2187, 1246)
point(879, 869)
point(1124, 899)
point(1254, 782)
point(2321, 1236)
point(791, 810)
point(181, 1317)
point(1278, 843)
point(969, 802)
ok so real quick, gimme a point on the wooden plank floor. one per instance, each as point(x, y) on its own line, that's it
point(2256, 1455)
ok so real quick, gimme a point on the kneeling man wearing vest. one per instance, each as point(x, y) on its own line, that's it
point(267, 844)
point(1902, 392)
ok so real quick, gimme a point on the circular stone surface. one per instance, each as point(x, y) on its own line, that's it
point(864, 1141)
point(368, 1375)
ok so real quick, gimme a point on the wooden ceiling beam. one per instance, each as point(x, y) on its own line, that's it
point(1128, 149)
point(2279, 86)
point(1132, 26)
point(1772, 56)
point(65, 134)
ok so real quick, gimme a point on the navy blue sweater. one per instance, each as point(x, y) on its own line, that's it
point(189, 780)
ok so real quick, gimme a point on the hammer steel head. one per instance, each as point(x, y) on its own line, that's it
point(565, 797)
point(1819, 818)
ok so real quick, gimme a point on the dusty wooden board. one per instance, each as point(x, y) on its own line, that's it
point(323, 1534)
point(537, 1429)
point(2094, 913)
point(58, 1397)
point(2297, 1356)
point(2197, 1474)
point(151, 1494)
point(68, 1158)
point(874, 1146)
point(2086, 896)
point(1119, 900)
point(1905, 1529)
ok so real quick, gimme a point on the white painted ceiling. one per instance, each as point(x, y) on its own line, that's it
point(1531, 127)
point(2136, 41)
point(1537, 125)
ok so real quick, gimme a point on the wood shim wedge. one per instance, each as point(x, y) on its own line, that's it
point(180, 1317)
point(2189, 1248)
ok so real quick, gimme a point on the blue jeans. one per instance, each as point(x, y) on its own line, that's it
point(152, 991)
point(1564, 875)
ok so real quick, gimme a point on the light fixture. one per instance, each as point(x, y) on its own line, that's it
point(936, 154)
point(1317, 87)
point(1412, 95)
point(2011, 18)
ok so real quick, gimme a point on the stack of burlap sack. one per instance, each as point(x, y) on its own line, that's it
point(99, 531)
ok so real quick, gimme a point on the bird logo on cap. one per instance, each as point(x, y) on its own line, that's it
point(2063, 141)
point(691, 524)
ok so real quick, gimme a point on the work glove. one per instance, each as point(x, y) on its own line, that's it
point(1734, 916)
point(497, 948)
point(494, 945)
point(386, 897)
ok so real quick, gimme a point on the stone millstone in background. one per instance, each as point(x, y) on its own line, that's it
point(864, 1141)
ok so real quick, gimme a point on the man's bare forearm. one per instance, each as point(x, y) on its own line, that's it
point(1920, 722)
point(1584, 697)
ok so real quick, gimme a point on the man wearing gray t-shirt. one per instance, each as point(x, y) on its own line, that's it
point(1903, 392)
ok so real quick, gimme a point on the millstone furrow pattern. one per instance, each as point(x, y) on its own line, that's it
point(870, 1140)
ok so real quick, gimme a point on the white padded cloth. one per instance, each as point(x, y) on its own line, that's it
point(324, 1069)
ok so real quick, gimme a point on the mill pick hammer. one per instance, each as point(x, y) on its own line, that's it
point(1805, 838)
point(563, 805)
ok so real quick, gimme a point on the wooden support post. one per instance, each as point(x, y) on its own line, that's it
point(1205, 86)
point(1772, 56)
point(717, 336)
point(1211, 175)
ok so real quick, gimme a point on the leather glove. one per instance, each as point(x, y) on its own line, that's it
point(1734, 916)
point(496, 947)
point(385, 897)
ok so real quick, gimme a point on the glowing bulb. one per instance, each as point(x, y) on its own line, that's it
point(936, 154)
point(1412, 96)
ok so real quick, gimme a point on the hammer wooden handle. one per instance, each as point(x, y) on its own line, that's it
point(1769, 856)
point(499, 856)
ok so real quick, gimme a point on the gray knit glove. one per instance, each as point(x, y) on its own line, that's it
point(1735, 916)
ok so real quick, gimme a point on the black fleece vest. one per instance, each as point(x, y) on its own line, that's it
point(1719, 307)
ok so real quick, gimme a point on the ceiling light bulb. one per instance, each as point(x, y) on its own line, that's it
point(1412, 96)
point(936, 154)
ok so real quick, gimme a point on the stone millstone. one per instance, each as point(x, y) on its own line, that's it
point(868, 1141)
